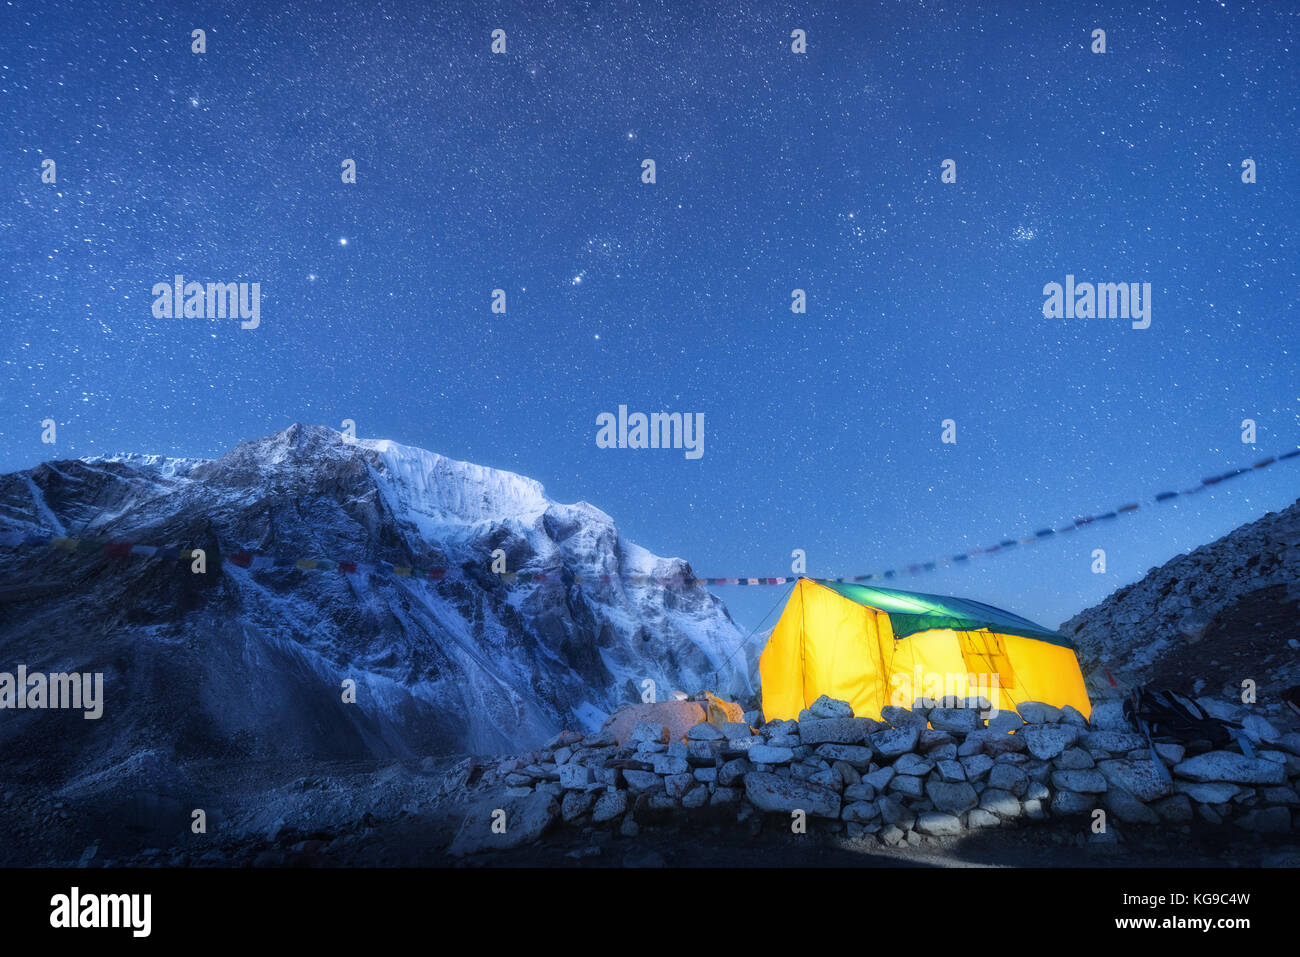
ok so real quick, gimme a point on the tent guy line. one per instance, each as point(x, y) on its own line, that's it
point(259, 562)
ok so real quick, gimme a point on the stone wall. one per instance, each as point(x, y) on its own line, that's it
point(932, 771)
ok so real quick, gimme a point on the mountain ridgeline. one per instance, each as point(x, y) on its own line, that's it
point(251, 662)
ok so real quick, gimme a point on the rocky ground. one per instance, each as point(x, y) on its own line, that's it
point(926, 787)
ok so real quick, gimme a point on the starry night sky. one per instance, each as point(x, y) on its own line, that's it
point(775, 171)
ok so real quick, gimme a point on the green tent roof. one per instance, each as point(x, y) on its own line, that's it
point(912, 612)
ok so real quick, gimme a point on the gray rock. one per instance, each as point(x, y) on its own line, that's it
point(1046, 741)
point(938, 824)
point(961, 720)
point(951, 798)
point(912, 764)
point(1258, 729)
point(1071, 802)
point(1036, 712)
point(907, 785)
point(767, 754)
point(995, 742)
point(771, 792)
point(944, 752)
point(1210, 792)
point(902, 717)
point(1037, 791)
point(932, 741)
point(1002, 803)
point(860, 812)
point(856, 755)
point(609, 805)
point(836, 730)
point(1230, 766)
point(895, 741)
point(732, 730)
point(678, 784)
point(1073, 759)
point(666, 764)
point(891, 836)
point(526, 820)
point(1109, 716)
point(980, 818)
point(1086, 782)
point(847, 772)
point(879, 778)
point(1005, 722)
point(704, 731)
point(697, 796)
point(703, 752)
point(829, 778)
point(1128, 809)
point(859, 792)
point(731, 773)
point(1008, 777)
point(825, 707)
point(648, 731)
point(977, 766)
point(895, 812)
point(576, 804)
point(575, 776)
point(642, 781)
point(950, 771)
point(1114, 741)
point(1170, 753)
point(725, 796)
point(1071, 715)
point(1142, 779)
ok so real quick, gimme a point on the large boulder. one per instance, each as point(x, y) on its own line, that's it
point(1231, 767)
point(1207, 792)
point(1008, 777)
point(1036, 712)
point(1072, 802)
point(526, 819)
point(954, 798)
point(902, 717)
point(1141, 778)
point(677, 716)
point(772, 792)
point(836, 730)
point(611, 804)
point(1046, 741)
point(963, 720)
point(826, 707)
point(895, 741)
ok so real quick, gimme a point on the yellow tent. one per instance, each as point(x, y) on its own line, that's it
point(874, 646)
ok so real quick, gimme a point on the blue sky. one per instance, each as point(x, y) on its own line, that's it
point(775, 171)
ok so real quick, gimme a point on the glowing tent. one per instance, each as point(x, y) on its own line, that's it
point(877, 646)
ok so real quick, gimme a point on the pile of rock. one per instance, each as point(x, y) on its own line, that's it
point(937, 770)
